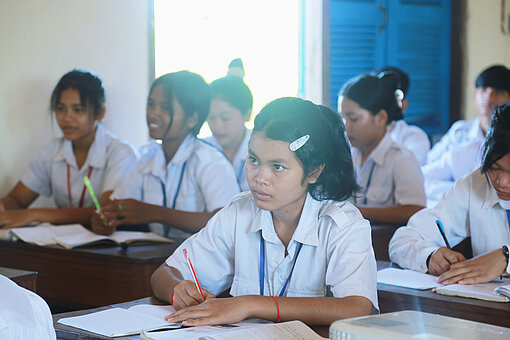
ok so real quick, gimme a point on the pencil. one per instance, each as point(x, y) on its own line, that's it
point(193, 275)
point(441, 230)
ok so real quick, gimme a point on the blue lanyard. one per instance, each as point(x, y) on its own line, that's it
point(368, 182)
point(263, 266)
point(167, 229)
point(508, 217)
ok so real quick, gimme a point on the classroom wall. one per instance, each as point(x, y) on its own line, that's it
point(41, 40)
point(486, 45)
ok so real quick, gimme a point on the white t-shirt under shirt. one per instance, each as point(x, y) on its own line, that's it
point(336, 255)
point(110, 159)
point(390, 175)
point(239, 160)
point(470, 208)
point(412, 137)
point(197, 179)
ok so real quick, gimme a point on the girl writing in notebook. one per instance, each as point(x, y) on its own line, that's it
point(231, 104)
point(85, 149)
point(180, 181)
point(291, 248)
point(389, 174)
point(478, 206)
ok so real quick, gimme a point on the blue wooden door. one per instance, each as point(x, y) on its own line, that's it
point(413, 35)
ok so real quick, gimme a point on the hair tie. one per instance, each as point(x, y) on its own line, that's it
point(295, 145)
point(399, 95)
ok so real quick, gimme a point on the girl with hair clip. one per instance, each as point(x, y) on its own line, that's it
point(388, 172)
point(292, 248)
point(85, 149)
point(180, 181)
point(231, 105)
point(478, 206)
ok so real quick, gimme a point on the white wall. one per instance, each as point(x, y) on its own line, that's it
point(486, 45)
point(41, 40)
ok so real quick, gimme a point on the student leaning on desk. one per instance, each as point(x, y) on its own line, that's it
point(477, 206)
point(281, 247)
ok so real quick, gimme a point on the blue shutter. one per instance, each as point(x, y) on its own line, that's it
point(356, 44)
point(419, 43)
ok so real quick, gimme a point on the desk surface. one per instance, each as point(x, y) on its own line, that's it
point(393, 299)
point(88, 277)
point(24, 278)
point(71, 333)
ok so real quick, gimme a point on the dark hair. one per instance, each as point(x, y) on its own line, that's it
point(192, 92)
point(234, 91)
point(89, 86)
point(287, 119)
point(497, 77)
point(497, 141)
point(374, 94)
point(402, 77)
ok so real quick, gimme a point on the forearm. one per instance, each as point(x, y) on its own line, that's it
point(163, 281)
point(11, 203)
point(63, 216)
point(188, 221)
point(397, 214)
point(312, 311)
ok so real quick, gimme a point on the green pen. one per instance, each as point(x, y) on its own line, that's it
point(94, 198)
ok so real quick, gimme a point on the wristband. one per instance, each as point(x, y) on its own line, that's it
point(506, 253)
point(278, 319)
point(172, 299)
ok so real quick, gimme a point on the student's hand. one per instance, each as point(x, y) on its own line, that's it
point(16, 218)
point(480, 269)
point(186, 294)
point(442, 259)
point(98, 225)
point(129, 211)
point(212, 312)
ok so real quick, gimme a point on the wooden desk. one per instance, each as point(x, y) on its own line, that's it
point(24, 278)
point(393, 299)
point(88, 277)
point(71, 333)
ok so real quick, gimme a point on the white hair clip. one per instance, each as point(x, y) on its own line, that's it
point(399, 95)
point(295, 145)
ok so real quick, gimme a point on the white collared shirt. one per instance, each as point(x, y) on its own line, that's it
point(110, 158)
point(458, 161)
point(413, 138)
point(197, 179)
point(23, 314)
point(470, 208)
point(395, 178)
point(462, 131)
point(239, 160)
point(336, 255)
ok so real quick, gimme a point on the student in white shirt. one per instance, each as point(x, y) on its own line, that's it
point(86, 149)
point(492, 89)
point(180, 181)
point(231, 105)
point(24, 315)
point(410, 136)
point(477, 206)
point(388, 173)
point(295, 225)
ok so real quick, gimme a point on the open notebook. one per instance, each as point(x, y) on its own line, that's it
point(117, 322)
point(415, 280)
point(75, 235)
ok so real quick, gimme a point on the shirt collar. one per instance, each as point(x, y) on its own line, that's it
point(242, 151)
point(307, 230)
point(381, 150)
point(491, 196)
point(96, 156)
point(475, 131)
point(157, 165)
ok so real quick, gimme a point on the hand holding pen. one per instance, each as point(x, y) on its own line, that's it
point(443, 257)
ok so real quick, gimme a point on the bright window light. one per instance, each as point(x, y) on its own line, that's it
point(203, 36)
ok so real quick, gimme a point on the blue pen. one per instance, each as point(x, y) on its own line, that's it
point(441, 230)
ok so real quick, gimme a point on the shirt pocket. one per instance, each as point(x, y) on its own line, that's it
point(380, 194)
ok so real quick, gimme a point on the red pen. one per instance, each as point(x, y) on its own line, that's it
point(190, 266)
